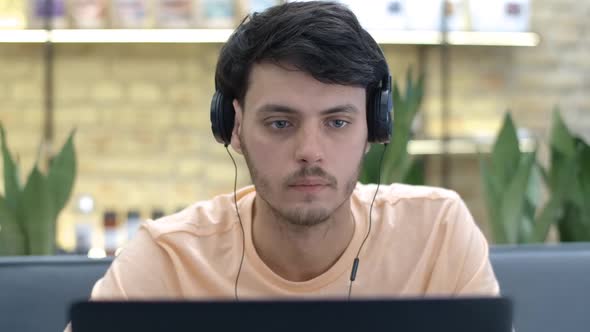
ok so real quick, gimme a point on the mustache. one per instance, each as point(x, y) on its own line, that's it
point(311, 171)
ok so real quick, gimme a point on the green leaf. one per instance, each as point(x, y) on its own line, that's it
point(562, 172)
point(370, 170)
point(513, 199)
point(534, 188)
point(561, 179)
point(397, 171)
point(61, 175)
point(419, 94)
point(37, 211)
point(574, 225)
point(526, 225)
point(561, 139)
point(492, 199)
point(409, 84)
point(570, 228)
point(390, 173)
point(398, 105)
point(569, 202)
point(415, 174)
point(414, 94)
point(531, 203)
point(401, 127)
point(506, 152)
point(562, 175)
point(576, 192)
point(394, 157)
point(584, 180)
point(543, 172)
point(11, 183)
point(12, 237)
point(549, 215)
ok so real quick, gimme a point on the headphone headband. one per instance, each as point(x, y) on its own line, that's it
point(379, 111)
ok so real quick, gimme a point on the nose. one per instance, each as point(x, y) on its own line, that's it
point(309, 149)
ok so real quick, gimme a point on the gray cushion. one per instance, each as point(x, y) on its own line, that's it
point(36, 292)
point(550, 286)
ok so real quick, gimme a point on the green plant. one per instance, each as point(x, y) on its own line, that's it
point(398, 165)
point(513, 184)
point(511, 188)
point(28, 213)
point(568, 180)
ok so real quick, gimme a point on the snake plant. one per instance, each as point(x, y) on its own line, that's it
point(28, 213)
point(568, 180)
point(514, 181)
point(510, 187)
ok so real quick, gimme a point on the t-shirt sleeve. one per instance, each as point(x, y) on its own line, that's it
point(476, 275)
point(463, 266)
point(140, 271)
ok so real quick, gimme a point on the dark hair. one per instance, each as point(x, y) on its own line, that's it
point(324, 39)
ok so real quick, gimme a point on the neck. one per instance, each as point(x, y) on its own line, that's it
point(300, 253)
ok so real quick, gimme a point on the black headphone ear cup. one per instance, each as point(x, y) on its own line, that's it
point(379, 115)
point(222, 118)
point(371, 110)
point(385, 117)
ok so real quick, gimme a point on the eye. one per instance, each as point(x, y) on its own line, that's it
point(338, 123)
point(280, 124)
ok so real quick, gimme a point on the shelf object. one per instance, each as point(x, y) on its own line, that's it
point(384, 37)
point(461, 146)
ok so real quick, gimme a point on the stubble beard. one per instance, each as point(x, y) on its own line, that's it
point(300, 217)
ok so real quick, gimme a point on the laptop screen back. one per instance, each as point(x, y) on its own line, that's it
point(417, 315)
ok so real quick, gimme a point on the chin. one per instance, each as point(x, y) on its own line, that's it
point(303, 215)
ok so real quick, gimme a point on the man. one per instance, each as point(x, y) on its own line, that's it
point(301, 78)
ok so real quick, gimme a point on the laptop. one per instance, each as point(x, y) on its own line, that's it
point(408, 315)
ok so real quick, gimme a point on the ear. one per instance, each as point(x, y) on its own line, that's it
point(235, 134)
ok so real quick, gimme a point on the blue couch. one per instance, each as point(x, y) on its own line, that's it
point(550, 287)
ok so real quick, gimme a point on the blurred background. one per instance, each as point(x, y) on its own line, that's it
point(134, 78)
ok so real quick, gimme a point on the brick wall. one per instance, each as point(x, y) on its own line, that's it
point(141, 111)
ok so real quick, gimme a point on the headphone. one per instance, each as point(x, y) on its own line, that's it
point(379, 112)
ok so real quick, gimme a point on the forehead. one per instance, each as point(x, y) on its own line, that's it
point(275, 84)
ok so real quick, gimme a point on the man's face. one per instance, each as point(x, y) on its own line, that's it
point(303, 141)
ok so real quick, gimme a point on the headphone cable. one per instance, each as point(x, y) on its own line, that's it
point(240, 220)
point(355, 264)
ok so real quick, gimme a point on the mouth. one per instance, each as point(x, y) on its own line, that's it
point(309, 185)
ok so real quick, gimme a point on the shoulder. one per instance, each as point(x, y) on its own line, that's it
point(396, 193)
point(203, 218)
point(421, 209)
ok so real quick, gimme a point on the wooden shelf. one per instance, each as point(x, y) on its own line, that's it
point(384, 37)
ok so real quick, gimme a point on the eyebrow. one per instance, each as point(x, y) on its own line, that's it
point(274, 108)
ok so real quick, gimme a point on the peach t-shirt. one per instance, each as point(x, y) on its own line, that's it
point(423, 241)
